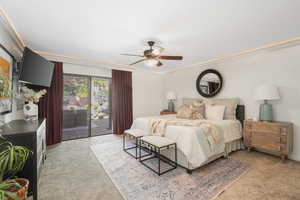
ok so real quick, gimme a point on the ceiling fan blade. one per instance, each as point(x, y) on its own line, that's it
point(126, 54)
point(159, 64)
point(138, 61)
point(171, 57)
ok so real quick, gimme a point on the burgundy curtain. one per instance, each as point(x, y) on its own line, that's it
point(121, 101)
point(51, 106)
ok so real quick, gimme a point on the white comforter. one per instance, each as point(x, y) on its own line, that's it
point(191, 141)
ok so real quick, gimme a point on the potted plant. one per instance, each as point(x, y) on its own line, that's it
point(12, 161)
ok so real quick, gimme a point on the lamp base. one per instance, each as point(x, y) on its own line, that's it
point(171, 106)
point(265, 112)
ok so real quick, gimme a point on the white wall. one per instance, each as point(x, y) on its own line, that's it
point(280, 67)
point(86, 70)
point(148, 91)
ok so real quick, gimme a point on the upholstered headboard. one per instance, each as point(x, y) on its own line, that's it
point(240, 113)
point(240, 110)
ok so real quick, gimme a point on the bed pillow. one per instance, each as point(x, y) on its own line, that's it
point(214, 112)
point(185, 112)
point(198, 110)
point(229, 103)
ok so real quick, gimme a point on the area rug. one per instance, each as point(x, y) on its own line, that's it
point(136, 182)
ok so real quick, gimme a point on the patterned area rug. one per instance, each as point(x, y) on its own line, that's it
point(137, 182)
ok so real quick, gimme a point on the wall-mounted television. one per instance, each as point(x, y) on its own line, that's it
point(36, 71)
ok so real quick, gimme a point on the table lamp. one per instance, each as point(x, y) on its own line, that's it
point(265, 93)
point(171, 96)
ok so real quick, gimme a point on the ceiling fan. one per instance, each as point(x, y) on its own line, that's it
point(152, 56)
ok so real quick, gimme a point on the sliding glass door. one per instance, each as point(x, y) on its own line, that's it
point(100, 106)
point(76, 107)
point(86, 108)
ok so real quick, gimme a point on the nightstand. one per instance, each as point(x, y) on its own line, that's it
point(271, 137)
point(167, 113)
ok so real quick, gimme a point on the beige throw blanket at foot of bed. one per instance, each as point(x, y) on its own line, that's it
point(212, 132)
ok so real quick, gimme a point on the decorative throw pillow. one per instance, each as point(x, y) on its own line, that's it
point(185, 112)
point(197, 115)
point(229, 103)
point(214, 112)
point(198, 110)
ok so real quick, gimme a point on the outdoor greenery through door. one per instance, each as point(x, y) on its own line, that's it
point(87, 107)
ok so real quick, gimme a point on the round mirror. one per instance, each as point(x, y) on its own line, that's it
point(209, 83)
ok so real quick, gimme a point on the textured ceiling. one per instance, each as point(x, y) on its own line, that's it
point(199, 30)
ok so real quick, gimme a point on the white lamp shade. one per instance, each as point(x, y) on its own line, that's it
point(266, 92)
point(171, 96)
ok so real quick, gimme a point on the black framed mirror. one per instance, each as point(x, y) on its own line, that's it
point(209, 83)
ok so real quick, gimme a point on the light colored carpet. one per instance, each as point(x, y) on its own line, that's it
point(136, 182)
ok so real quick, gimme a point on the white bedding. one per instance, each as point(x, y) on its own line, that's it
point(191, 141)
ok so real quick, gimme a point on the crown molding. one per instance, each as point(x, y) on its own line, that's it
point(11, 30)
point(84, 61)
point(20, 44)
point(235, 55)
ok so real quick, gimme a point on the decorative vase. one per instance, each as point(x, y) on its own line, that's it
point(31, 111)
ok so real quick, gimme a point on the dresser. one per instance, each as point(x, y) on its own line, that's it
point(271, 137)
point(31, 134)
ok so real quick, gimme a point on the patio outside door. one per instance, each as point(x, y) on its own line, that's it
point(100, 106)
point(86, 108)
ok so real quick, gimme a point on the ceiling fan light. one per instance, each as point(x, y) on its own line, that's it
point(151, 62)
point(158, 50)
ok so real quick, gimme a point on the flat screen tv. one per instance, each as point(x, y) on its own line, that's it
point(35, 70)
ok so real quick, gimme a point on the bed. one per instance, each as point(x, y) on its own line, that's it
point(194, 150)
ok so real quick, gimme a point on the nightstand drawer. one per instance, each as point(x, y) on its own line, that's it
point(265, 141)
point(266, 128)
point(248, 126)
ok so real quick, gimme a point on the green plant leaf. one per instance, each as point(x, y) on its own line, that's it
point(5, 186)
point(12, 159)
point(11, 195)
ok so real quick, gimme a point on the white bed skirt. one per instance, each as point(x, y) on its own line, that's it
point(182, 160)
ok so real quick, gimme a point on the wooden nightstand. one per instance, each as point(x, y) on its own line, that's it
point(270, 137)
point(167, 113)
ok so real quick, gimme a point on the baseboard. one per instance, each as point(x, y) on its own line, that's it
point(295, 157)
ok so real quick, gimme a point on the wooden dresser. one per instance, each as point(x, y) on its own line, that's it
point(270, 137)
point(31, 134)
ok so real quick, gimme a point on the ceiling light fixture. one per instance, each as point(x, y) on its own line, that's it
point(157, 50)
point(151, 62)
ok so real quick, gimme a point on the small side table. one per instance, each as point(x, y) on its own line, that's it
point(156, 144)
point(136, 134)
point(167, 113)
